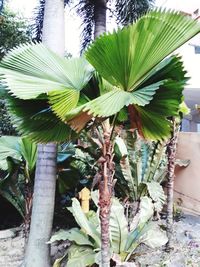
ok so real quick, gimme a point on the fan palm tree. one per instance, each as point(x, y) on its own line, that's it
point(139, 79)
point(37, 250)
point(93, 14)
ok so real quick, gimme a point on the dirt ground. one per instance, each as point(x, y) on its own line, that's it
point(186, 247)
point(186, 250)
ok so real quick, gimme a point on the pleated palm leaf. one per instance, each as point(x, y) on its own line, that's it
point(39, 81)
point(46, 88)
point(134, 61)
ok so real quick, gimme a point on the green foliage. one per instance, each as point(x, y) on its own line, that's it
point(13, 31)
point(6, 127)
point(17, 160)
point(123, 241)
point(56, 81)
point(128, 11)
point(141, 167)
point(133, 60)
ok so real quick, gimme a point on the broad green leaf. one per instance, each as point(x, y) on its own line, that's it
point(111, 103)
point(73, 234)
point(33, 69)
point(154, 236)
point(63, 101)
point(118, 227)
point(127, 174)
point(120, 147)
point(146, 211)
point(157, 194)
point(80, 256)
point(125, 57)
point(58, 262)
point(83, 222)
point(29, 152)
point(9, 147)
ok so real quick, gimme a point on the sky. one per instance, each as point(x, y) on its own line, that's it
point(192, 61)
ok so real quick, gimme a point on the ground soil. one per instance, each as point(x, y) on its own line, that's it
point(186, 247)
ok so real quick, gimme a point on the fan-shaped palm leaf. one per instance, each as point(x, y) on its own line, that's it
point(42, 82)
point(134, 61)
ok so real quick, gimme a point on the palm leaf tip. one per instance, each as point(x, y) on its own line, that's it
point(126, 56)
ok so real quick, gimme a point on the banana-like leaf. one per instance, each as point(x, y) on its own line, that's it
point(83, 222)
point(29, 152)
point(11, 187)
point(154, 236)
point(127, 174)
point(118, 227)
point(146, 211)
point(80, 256)
point(74, 234)
point(32, 69)
point(9, 147)
point(157, 194)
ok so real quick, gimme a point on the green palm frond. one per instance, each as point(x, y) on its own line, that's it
point(125, 57)
point(134, 60)
point(34, 118)
point(158, 98)
point(32, 70)
point(43, 87)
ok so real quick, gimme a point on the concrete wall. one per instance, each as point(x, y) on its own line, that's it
point(187, 181)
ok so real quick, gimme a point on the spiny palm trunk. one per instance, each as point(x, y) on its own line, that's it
point(107, 168)
point(100, 7)
point(37, 251)
point(105, 195)
point(171, 154)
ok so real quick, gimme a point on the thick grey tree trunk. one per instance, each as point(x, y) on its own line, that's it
point(37, 251)
point(99, 17)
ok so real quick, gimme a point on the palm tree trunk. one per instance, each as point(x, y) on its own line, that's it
point(37, 251)
point(107, 167)
point(100, 7)
point(171, 154)
point(105, 195)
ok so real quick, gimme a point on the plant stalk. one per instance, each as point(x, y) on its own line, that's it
point(171, 154)
point(105, 196)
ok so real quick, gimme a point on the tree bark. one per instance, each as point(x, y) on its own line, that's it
point(171, 154)
point(100, 7)
point(107, 166)
point(105, 193)
point(37, 251)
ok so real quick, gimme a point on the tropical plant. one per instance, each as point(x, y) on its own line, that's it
point(17, 161)
point(93, 14)
point(85, 248)
point(14, 31)
point(133, 61)
point(139, 163)
point(37, 251)
point(171, 154)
